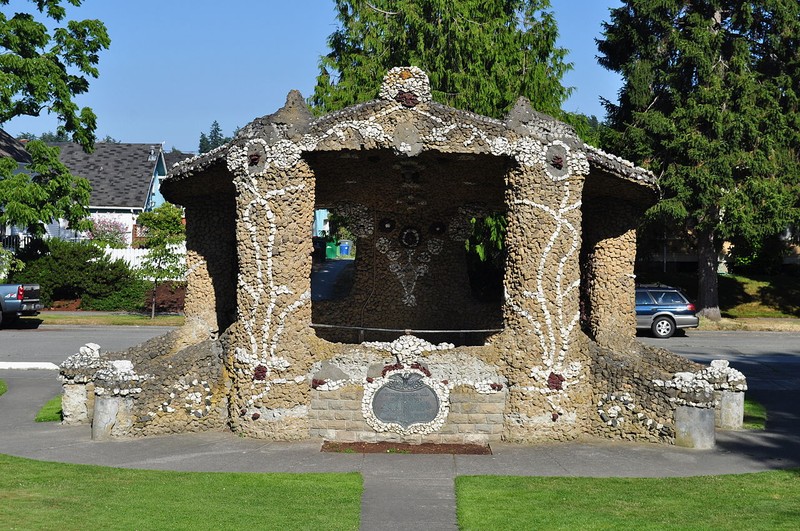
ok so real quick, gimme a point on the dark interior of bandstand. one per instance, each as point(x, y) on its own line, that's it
point(412, 274)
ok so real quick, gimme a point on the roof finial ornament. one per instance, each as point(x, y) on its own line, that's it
point(407, 85)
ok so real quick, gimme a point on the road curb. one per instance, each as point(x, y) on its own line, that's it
point(28, 365)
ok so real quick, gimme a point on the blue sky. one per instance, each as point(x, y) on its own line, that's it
point(175, 66)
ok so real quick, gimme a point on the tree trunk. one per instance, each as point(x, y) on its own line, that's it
point(708, 291)
point(153, 302)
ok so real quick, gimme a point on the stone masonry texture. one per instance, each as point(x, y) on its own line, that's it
point(554, 360)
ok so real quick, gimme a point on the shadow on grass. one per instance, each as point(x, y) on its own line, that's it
point(782, 293)
point(732, 294)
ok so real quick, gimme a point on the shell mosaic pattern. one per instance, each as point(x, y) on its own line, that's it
point(692, 389)
point(283, 154)
point(616, 409)
point(408, 265)
point(117, 378)
point(407, 348)
point(81, 367)
point(555, 331)
point(264, 292)
point(409, 80)
point(446, 364)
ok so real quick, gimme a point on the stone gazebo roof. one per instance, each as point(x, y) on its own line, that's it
point(291, 131)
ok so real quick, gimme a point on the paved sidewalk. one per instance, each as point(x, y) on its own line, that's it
point(393, 482)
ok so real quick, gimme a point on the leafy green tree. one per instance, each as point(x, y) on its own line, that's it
point(480, 55)
point(214, 139)
point(48, 192)
point(48, 136)
point(43, 66)
point(704, 105)
point(9, 264)
point(165, 233)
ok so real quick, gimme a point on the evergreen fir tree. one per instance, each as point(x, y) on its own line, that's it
point(703, 105)
point(480, 55)
point(213, 139)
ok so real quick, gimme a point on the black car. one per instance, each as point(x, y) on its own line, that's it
point(663, 309)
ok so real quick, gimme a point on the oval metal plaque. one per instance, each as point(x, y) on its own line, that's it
point(405, 400)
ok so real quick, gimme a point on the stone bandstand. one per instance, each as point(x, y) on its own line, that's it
point(409, 353)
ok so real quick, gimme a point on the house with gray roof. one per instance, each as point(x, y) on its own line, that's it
point(11, 147)
point(125, 180)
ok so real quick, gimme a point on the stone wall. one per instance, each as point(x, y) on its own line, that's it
point(170, 384)
point(411, 218)
point(629, 404)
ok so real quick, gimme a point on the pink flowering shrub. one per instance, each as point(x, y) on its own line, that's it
point(109, 232)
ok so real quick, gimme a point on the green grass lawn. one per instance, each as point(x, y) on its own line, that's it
point(759, 296)
point(3, 387)
point(51, 411)
point(755, 415)
point(40, 495)
point(767, 500)
point(122, 319)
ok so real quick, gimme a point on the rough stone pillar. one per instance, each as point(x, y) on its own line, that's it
point(112, 417)
point(271, 352)
point(730, 411)
point(609, 251)
point(77, 403)
point(211, 262)
point(542, 301)
point(694, 427)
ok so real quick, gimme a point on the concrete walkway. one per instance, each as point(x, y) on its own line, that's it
point(392, 482)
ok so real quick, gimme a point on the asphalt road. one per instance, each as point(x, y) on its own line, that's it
point(54, 343)
point(769, 360)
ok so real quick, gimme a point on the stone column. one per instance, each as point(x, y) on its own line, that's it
point(542, 302)
point(77, 403)
point(609, 251)
point(270, 345)
point(694, 427)
point(211, 261)
point(112, 417)
point(730, 411)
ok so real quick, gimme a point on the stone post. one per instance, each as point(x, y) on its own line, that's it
point(729, 414)
point(77, 403)
point(77, 384)
point(609, 253)
point(211, 262)
point(694, 427)
point(112, 417)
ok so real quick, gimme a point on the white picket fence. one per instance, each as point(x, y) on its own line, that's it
point(135, 257)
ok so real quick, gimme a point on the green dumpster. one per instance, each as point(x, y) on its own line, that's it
point(331, 250)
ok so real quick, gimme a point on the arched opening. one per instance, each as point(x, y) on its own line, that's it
point(409, 219)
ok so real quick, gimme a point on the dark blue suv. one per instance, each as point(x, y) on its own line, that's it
point(663, 309)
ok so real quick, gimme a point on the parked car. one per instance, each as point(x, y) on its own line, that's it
point(17, 300)
point(663, 309)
